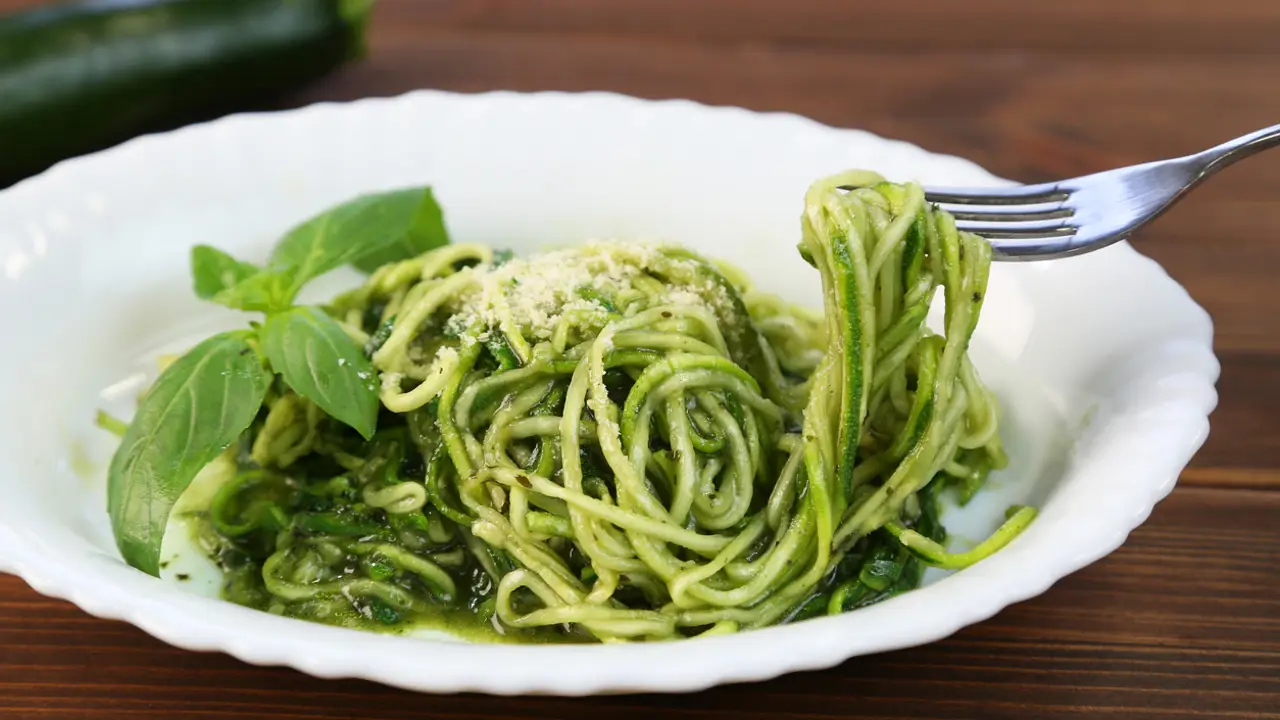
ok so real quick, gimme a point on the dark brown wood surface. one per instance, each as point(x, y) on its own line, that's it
point(1182, 622)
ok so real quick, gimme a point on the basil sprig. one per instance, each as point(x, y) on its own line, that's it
point(206, 399)
point(196, 409)
point(214, 271)
point(368, 231)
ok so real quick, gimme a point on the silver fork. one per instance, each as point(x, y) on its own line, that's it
point(1080, 215)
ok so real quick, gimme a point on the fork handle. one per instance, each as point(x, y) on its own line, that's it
point(1215, 158)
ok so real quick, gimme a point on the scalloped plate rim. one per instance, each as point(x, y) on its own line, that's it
point(670, 667)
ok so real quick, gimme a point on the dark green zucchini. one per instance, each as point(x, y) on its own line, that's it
point(82, 76)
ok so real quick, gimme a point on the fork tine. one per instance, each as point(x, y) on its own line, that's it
point(1022, 229)
point(1018, 195)
point(1004, 213)
point(1024, 249)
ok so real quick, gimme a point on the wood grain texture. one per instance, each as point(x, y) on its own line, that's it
point(1183, 622)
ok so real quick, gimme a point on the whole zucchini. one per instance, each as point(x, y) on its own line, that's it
point(81, 76)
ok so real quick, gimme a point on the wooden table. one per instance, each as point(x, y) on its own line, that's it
point(1183, 622)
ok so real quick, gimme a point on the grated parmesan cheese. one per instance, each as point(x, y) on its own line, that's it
point(584, 283)
point(391, 381)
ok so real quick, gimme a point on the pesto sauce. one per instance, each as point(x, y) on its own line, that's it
point(242, 584)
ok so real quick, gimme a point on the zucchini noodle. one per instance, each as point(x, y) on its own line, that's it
point(621, 442)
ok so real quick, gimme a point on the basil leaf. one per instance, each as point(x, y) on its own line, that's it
point(323, 364)
point(425, 232)
point(368, 231)
point(213, 271)
point(267, 291)
point(197, 407)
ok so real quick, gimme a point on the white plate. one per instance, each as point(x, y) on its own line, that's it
point(1104, 364)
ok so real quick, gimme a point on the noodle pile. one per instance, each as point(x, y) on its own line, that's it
point(622, 442)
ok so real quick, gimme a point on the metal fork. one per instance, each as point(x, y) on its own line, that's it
point(1071, 217)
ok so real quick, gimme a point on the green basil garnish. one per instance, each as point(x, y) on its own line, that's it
point(199, 406)
point(323, 364)
point(205, 400)
point(214, 271)
point(366, 232)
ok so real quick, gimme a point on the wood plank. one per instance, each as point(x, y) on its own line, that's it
point(1225, 251)
point(1180, 26)
point(1181, 623)
point(1242, 432)
point(1054, 112)
point(1198, 475)
point(1031, 116)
